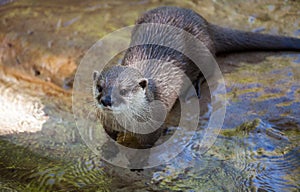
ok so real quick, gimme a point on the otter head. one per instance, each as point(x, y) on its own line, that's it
point(120, 90)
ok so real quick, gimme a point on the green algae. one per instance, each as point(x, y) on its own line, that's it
point(261, 77)
point(241, 130)
point(27, 171)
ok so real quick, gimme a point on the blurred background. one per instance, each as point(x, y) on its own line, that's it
point(41, 45)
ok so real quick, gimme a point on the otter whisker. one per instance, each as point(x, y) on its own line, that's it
point(89, 102)
point(90, 88)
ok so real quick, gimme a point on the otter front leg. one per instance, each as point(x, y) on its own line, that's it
point(148, 140)
point(197, 85)
point(190, 92)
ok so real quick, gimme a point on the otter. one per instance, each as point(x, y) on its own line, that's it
point(128, 89)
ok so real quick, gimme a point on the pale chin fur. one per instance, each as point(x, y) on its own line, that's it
point(114, 110)
point(118, 109)
point(138, 107)
point(131, 106)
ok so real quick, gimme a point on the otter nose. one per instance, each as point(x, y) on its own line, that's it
point(106, 101)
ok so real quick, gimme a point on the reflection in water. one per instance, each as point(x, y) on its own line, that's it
point(23, 170)
point(41, 46)
point(278, 171)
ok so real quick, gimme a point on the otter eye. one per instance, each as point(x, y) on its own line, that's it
point(143, 83)
point(95, 75)
point(123, 92)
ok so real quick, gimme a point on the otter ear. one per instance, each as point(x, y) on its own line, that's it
point(96, 74)
point(143, 83)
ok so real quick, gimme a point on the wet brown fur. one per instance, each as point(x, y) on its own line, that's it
point(165, 80)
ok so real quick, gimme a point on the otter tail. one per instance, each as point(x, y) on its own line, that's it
point(228, 40)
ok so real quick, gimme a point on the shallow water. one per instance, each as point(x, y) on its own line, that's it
point(42, 44)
